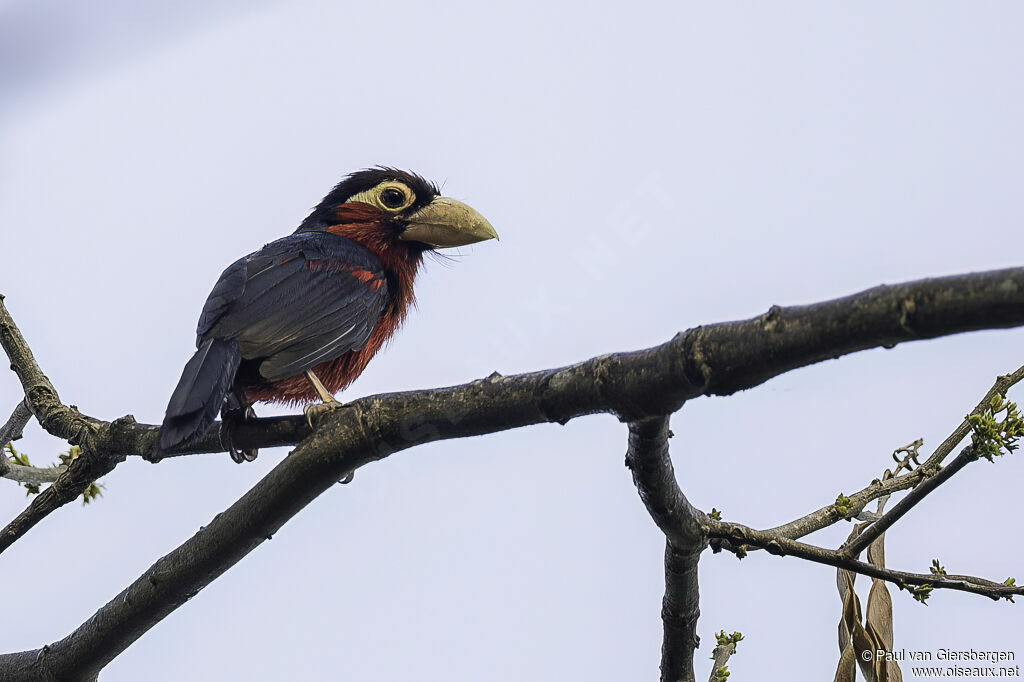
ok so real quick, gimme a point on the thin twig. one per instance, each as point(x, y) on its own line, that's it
point(29, 474)
point(1001, 385)
point(740, 536)
point(12, 430)
point(20, 417)
point(721, 655)
point(826, 516)
point(935, 479)
point(885, 522)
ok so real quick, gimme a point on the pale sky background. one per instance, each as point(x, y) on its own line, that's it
point(651, 166)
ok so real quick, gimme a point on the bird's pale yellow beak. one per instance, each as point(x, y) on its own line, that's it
point(446, 222)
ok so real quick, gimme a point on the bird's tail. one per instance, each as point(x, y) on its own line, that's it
point(200, 393)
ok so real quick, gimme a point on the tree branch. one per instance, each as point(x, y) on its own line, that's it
point(739, 536)
point(55, 417)
point(648, 459)
point(828, 515)
point(102, 444)
point(11, 431)
point(713, 360)
point(721, 655)
point(101, 452)
point(30, 474)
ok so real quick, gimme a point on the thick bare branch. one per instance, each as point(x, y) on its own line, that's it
point(655, 478)
point(648, 459)
point(740, 536)
point(680, 610)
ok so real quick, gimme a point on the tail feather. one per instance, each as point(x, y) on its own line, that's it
point(200, 393)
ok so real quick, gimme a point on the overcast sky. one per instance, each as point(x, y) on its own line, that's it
point(650, 167)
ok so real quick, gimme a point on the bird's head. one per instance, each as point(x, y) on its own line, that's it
point(384, 207)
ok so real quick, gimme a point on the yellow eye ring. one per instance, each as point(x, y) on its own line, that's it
point(390, 195)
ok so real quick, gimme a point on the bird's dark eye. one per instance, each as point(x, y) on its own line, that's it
point(392, 198)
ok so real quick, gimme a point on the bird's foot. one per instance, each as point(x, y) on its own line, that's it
point(318, 411)
point(230, 420)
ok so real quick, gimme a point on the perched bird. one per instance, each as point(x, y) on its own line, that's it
point(300, 319)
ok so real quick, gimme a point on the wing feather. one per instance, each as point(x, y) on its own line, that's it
point(296, 303)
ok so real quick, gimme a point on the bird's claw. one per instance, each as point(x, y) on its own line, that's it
point(230, 418)
point(317, 411)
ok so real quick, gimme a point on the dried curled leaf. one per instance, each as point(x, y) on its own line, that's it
point(861, 637)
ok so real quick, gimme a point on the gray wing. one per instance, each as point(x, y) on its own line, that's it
point(298, 302)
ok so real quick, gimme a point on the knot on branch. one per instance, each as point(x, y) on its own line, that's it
point(771, 319)
point(907, 308)
point(695, 368)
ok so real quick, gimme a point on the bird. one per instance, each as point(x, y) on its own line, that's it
point(299, 320)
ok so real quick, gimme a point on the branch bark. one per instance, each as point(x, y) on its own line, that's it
point(30, 474)
point(720, 655)
point(648, 459)
point(11, 431)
